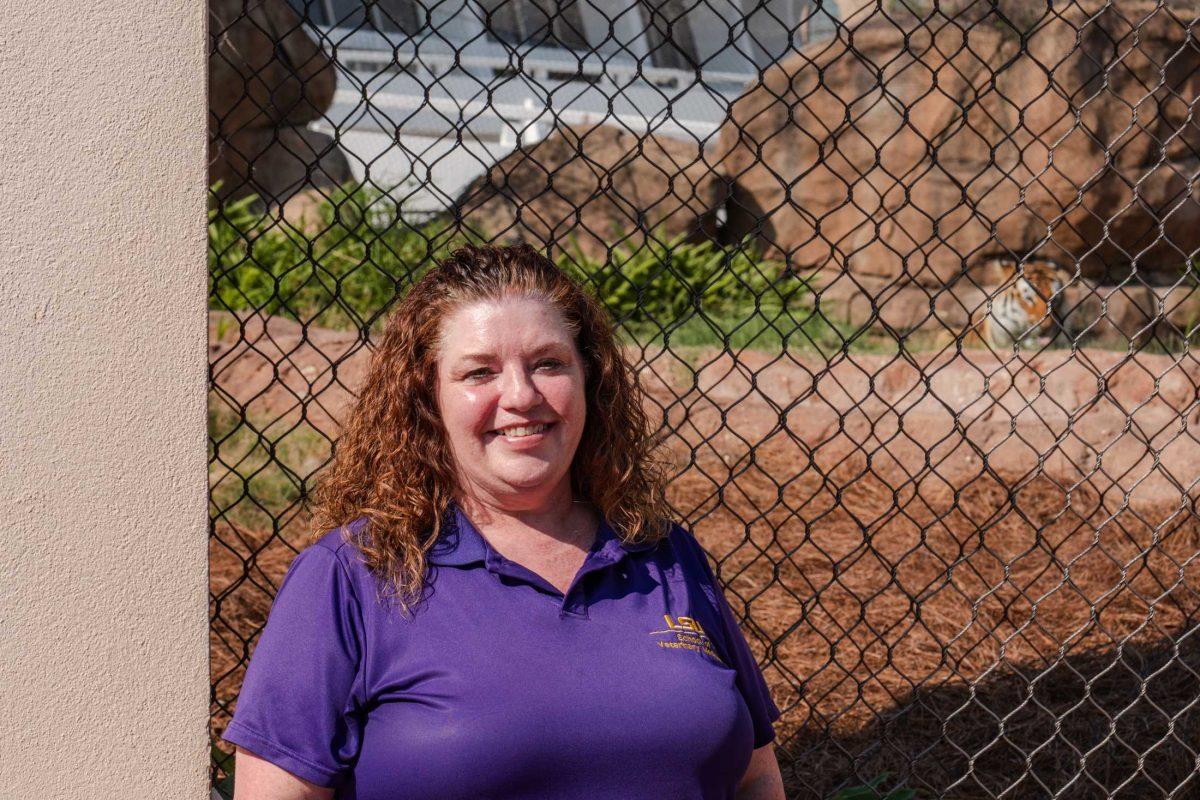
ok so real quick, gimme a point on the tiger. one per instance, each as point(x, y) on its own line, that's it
point(1025, 305)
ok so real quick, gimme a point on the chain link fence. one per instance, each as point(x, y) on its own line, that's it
point(909, 285)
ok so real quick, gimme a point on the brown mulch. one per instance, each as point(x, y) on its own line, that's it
point(245, 569)
point(971, 640)
point(977, 639)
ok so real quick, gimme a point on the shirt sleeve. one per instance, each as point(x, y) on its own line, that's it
point(750, 681)
point(298, 707)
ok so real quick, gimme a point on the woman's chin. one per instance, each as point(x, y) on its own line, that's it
point(528, 484)
point(527, 481)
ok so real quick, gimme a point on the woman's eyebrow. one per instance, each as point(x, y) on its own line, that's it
point(481, 358)
point(540, 350)
point(548, 347)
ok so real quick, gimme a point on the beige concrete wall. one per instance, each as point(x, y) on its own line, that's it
point(103, 624)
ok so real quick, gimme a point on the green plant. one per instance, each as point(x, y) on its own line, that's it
point(679, 294)
point(223, 326)
point(873, 790)
point(349, 267)
point(220, 758)
point(664, 281)
point(1191, 273)
point(345, 271)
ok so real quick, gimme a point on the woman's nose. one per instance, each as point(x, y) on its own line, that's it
point(518, 390)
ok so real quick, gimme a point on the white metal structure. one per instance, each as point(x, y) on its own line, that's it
point(431, 93)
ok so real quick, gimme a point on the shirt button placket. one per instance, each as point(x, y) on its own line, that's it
point(573, 605)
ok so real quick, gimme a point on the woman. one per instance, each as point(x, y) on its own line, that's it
point(501, 608)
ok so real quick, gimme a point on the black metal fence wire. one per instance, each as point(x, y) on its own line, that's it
point(909, 285)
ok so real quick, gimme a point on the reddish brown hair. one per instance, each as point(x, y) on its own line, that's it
point(393, 464)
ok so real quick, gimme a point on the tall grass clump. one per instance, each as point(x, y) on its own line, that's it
point(259, 471)
point(875, 791)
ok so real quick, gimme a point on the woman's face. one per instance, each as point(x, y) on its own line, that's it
point(510, 390)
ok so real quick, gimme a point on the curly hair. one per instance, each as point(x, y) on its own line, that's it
point(393, 465)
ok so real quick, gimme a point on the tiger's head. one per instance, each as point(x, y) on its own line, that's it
point(1026, 305)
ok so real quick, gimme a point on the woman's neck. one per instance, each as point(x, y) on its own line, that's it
point(527, 523)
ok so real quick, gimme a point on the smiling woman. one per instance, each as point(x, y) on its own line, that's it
point(511, 395)
point(495, 603)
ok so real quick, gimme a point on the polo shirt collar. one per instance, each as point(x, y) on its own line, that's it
point(460, 544)
point(609, 547)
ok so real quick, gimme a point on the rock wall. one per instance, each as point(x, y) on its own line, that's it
point(596, 187)
point(267, 80)
point(913, 150)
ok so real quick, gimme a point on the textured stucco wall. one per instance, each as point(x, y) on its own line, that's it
point(103, 651)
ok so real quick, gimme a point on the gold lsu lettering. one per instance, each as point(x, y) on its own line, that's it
point(683, 625)
point(687, 634)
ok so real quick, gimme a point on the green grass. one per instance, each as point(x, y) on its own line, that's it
point(874, 790)
point(225, 762)
point(259, 473)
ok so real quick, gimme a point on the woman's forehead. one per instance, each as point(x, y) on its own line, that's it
point(483, 327)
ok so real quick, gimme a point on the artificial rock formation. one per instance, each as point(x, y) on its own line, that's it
point(267, 80)
point(596, 187)
point(911, 150)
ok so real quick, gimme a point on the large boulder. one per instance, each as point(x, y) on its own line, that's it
point(267, 79)
point(913, 149)
point(596, 187)
point(277, 163)
point(263, 68)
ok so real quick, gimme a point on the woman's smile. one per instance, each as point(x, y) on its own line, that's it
point(528, 433)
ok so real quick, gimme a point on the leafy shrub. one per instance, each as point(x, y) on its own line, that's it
point(664, 282)
point(346, 274)
point(363, 257)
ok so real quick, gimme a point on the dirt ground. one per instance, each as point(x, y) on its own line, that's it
point(975, 623)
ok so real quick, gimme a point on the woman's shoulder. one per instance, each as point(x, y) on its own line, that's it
point(341, 540)
point(339, 546)
point(682, 540)
point(682, 556)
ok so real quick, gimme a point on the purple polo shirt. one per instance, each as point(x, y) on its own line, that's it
point(635, 684)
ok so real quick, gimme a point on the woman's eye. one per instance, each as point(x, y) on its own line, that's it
point(477, 373)
point(549, 363)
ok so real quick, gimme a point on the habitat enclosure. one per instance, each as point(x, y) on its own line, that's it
point(909, 286)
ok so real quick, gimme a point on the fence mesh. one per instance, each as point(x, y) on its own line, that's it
point(910, 289)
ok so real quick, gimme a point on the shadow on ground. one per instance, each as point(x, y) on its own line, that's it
point(1117, 723)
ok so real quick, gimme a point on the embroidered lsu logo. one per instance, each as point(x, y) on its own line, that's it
point(684, 633)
